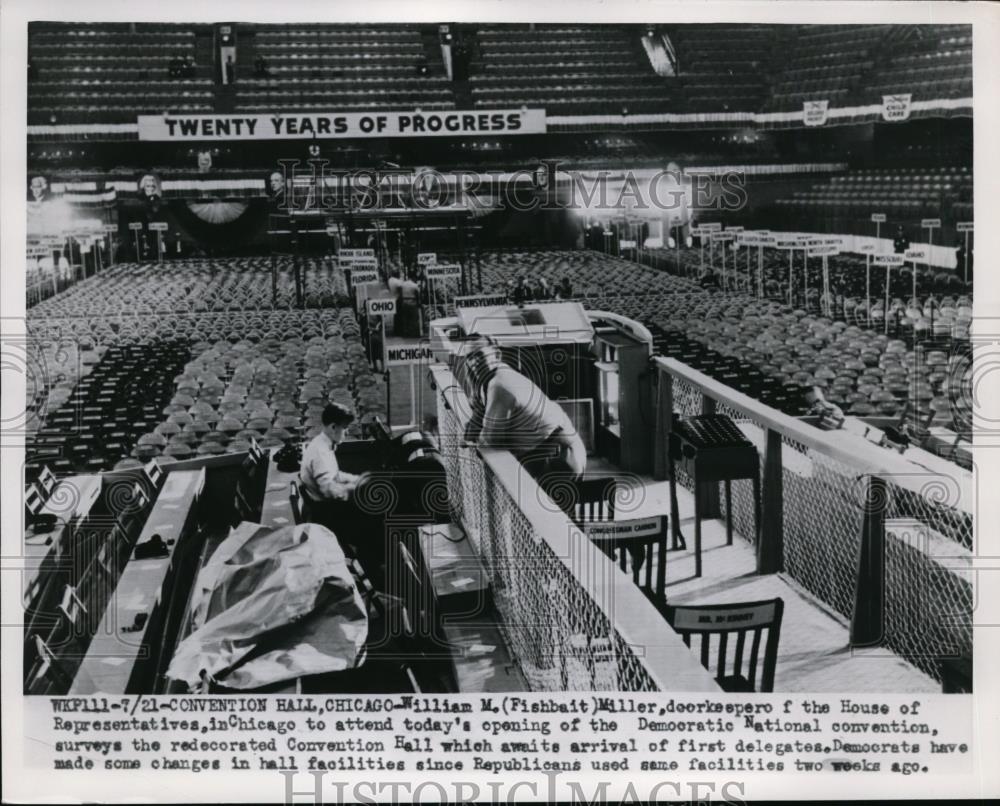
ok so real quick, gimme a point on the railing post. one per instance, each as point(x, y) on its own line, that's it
point(707, 495)
point(867, 621)
point(770, 529)
point(664, 422)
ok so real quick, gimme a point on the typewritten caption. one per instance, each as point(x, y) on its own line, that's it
point(500, 734)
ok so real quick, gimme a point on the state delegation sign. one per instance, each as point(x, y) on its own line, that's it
point(340, 125)
point(396, 356)
point(481, 301)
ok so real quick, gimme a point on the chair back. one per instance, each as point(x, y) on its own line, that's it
point(257, 453)
point(71, 608)
point(295, 499)
point(45, 671)
point(744, 620)
point(154, 473)
point(594, 500)
point(47, 481)
point(33, 502)
point(643, 541)
point(250, 484)
point(131, 511)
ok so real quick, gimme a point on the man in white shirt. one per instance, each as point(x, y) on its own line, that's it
point(512, 413)
point(409, 308)
point(331, 494)
point(320, 474)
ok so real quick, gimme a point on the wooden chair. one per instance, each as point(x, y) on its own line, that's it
point(594, 500)
point(644, 542)
point(742, 619)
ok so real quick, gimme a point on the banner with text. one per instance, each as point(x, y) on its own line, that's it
point(896, 107)
point(340, 125)
point(814, 113)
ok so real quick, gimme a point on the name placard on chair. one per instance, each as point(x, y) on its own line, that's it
point(637, 527)
point(694, 618)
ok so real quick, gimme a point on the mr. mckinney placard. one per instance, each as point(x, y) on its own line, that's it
point(341, 125)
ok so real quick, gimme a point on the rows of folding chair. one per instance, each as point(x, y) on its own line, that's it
point(109, 408)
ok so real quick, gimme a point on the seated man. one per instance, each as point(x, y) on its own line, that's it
point(521, 292)
point(511, 413)
point(565, 289)
point(329, 490)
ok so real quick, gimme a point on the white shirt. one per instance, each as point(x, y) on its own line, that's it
point(396, 287)
point(519, 416)
point(320, 472)
point(409, 292)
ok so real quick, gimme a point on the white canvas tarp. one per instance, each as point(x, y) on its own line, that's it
point(272, 605)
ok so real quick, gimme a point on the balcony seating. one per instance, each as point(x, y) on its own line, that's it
point(586, 70)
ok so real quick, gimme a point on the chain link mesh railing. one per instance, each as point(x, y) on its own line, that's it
point(928, 618)
point(562, 602)
point(927, 614)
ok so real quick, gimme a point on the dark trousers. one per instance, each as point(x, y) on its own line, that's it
point(554, 475)
point(361, 534)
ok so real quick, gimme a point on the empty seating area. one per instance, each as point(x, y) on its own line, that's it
point(194, 286)
point(111, 73)
point(107, 411)
point(347, 67)
point(594, 69)
point(722, 67)
point(591, 274)
point(929, 64)
point(773, 350)
point(866, 373)
point(845, 203)
point(271, 391)
point(826, 62)
point(144, 361)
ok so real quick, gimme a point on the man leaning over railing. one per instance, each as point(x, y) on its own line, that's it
point(510, 412)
